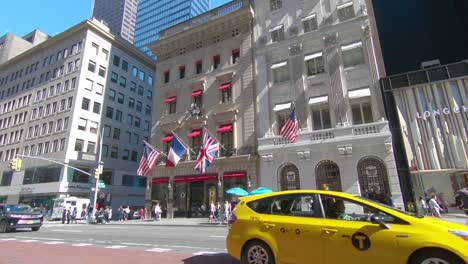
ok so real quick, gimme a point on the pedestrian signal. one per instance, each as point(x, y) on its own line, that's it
point(15, 164)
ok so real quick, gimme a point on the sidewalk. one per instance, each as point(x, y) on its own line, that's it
point(202, 222)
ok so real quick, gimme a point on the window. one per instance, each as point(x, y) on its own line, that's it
point(149, 95)
point(107, 131)
point(92, 66)
point(182, 72)
point(132, 87)
point(116, 61)
point(105, 54)
point(131, 102)
point(150, 81)
point(362, 113)
point(147, 110)
point(216, 61)
point(275, 4)
point(309, 23)
point(120, 98)
point(227, 140)
point(136, 138)
point(85, 104)
point(129, 119)
point(352, 54)
point(226, 92)
point(116, 134)
point(137, 122)
point(140, 90)
point(110, 112)
point(314, 64)
point(82, 124)
point(235, 56)
point(171, 104)
point(277, 34)
point(345, 11)
point(118, 115)
point(128, 136)
point(99, 88)
point(196, 138)
point(65, 123)
point(134, 71)
point(111, 95)
point(102, 71)
point(88, 84)
point(141, 75)
point(321, 118)
point(280, 72)
point(138, 106)
point(123, 81)
point(96, 108)
point(114, 77)
point(199, 67)
point(93, 127)
point(95, 48)
point(114, 152)
point(126, 154)
point(167, 75)
point(124, 65)
point(105, 150)
point(79, 145)
point(90, 149)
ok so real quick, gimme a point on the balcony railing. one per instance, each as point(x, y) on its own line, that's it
point(327, 134)
point(204, 18)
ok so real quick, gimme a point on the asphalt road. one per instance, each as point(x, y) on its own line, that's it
point(81, 243)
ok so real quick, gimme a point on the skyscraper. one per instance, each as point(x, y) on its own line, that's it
point(156, 15)
point(120, 16)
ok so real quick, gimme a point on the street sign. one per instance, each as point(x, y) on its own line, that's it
point(101, 184)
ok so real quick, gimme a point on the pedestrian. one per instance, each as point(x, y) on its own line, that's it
point(64, 215)
point(68, 215)
point(120, 213)
point(127, 212)
point(106, 215)
point(157, 212)
point(461, 199)
point(142, 213)
point(227, 211)
point(434, 206)
point(212, 211)
point(217, 211)
point(74, 214)
point(424, 206)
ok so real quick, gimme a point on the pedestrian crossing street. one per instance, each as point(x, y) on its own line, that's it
point(196, 251)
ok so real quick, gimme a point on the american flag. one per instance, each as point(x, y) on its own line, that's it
point(148, 159)
point(207, 153)
point(289, 129)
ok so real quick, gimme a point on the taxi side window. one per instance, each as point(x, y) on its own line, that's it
point(302, 205)
point(262, 206)
point(343, 209)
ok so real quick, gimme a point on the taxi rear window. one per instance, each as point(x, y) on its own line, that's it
point(261, 206)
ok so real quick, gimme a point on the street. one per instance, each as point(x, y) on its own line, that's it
point(116, 243)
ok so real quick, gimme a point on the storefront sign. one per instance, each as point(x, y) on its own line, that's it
point(444, 111)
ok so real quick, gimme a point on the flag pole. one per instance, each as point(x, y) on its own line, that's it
point(183, 143)
point(219, 142)
point(144, 141)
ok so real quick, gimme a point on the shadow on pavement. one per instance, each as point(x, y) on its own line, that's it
point(211, 259)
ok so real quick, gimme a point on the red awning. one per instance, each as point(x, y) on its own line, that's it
point(167, 72)
point(182, 68)
point(236, 51)
point(194, 133)
point(167, 138)
point(216, 57)
point(170, 99)
point(197, 93)
point(194, 178)
point(224, 129)
point(199, 62)
point(233, 175)
point(160, 180)
point(224, 86)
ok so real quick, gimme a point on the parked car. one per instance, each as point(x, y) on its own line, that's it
point(333, 227)
point(19, 216)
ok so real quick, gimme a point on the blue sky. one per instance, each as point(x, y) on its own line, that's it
point(50, 16)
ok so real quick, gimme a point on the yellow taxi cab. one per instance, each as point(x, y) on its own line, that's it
point(312, 226)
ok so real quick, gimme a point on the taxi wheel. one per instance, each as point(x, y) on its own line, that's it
point(435, 256)
point(257, 252)
point(35, 228)
point(3, 226)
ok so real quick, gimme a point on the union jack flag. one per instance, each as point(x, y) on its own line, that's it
point(207, 152)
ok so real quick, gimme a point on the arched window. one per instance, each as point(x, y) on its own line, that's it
point(327, 172)
point(373, 179)
point(289, 178)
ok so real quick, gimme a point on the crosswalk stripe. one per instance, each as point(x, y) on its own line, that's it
point(28, 241)
point(205, 253)
point(81, 245)
point(54, 242)
point(116, 247)
point(8, 239)
point(160, 250)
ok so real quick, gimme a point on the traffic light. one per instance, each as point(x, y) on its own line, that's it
point(96, 173)
point(15, 164)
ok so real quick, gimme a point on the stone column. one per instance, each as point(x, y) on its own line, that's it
point(297, 66)
point(170, 199)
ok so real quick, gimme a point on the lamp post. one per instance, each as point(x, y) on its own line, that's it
point(98, 172)
point(170, 200)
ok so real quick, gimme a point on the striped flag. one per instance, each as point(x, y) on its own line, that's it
point(289, 129)
point(207, 153)
point(148, 159)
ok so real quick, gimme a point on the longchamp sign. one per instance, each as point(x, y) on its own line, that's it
point(444, 111)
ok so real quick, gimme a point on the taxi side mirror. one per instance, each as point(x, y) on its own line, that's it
point(376, 219)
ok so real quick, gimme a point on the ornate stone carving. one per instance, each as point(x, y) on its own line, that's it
point(330, 40)
point(365, 30)
point(295, 49)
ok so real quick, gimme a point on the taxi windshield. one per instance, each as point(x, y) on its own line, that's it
point(18, 208)
point(391, 208)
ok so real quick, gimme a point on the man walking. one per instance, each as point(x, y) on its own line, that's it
point(462, 199)
point(434, 206)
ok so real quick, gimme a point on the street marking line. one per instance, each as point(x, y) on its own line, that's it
point(116, 247)
point(71, 231)
point(8, 239)
point(160, 250)
point(54, 242)
point(40, 238)
point(81, 245)
point(205, 253)
point(218, 236)
point(28, 241)
point(187, 247)
point(136, 244)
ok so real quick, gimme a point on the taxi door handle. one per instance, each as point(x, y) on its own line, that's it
point(268, 225)
point(329, 231)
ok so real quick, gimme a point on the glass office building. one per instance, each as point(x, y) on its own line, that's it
point(156, 15)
